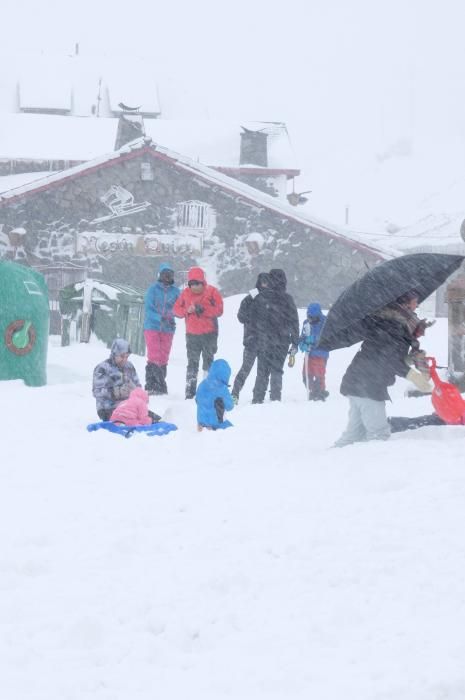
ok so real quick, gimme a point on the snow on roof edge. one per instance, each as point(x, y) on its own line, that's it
point(187, 164)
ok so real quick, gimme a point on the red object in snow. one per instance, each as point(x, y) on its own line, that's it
point(447, 399)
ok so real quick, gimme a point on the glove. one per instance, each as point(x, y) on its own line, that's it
point(292, 354)
point(304, 346)
point(421, 381)
point(121, 393)
point(253, 293)
point(198, 309)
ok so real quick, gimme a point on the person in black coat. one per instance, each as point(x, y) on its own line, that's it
point(391, 334)
point(250, 336)
point(275, 320)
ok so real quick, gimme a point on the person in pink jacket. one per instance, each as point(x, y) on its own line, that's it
point(135, 410)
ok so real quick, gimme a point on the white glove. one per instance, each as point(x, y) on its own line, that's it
point(421, 381)
point(253, 293)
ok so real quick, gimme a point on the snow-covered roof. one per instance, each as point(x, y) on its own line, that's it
point(80, 85)
point(249, 194)
point(54, 137)
point(214, 143)
point(217, 143)
point(9, 182)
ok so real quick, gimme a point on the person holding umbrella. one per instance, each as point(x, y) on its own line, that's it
point(391, 334)
point(379, 309)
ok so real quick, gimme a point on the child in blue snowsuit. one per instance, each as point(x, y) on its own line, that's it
point(213, 397)
point(314, 368)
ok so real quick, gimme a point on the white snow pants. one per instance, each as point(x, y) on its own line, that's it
point(367, 421)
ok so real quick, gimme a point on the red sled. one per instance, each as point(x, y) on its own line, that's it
point(446, 398)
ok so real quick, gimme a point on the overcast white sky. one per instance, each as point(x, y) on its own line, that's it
point(350, 77)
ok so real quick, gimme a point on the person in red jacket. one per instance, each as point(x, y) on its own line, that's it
point(200, 304)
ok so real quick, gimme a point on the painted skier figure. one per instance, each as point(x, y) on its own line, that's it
point(315, 359)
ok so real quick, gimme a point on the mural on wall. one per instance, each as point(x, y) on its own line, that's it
point(120, 202)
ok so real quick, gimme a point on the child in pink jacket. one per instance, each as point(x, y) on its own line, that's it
point(135, 410)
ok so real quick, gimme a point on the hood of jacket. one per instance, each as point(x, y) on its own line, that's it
point(165, 266)
point(314, 309)
point(278, 279)
point(119, 346)
point(263, 278)
point(197, 274)
point(139, 393)
point(220, 370)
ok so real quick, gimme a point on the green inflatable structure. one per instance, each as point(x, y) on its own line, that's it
point(24, 323)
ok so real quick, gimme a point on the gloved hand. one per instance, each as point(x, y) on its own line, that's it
point(304, 346)
point(421, 381)
point(292, 354)
point(121, 392)
point(253, 293)
point(198, 309)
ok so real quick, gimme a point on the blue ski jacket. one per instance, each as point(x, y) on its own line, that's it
point(159, 301)
point(311, 332)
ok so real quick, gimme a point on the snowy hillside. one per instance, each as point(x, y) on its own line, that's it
point(248, 564)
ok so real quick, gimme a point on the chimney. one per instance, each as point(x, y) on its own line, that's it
point(254, 149)
point(130, 127)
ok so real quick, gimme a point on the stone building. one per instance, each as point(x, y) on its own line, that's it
point(114, 215)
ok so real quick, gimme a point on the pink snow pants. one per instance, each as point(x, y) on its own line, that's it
point(158, 346)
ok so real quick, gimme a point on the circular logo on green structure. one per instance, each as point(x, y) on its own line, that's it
point(20, 337)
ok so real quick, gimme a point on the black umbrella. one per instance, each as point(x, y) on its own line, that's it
point(383, 284)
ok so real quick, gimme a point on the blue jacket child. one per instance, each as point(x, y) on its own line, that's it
point(311, 331)
point(213, 397)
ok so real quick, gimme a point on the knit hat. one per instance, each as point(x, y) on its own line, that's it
point(120, 346)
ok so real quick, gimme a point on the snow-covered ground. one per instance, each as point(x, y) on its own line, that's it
point(247, 564)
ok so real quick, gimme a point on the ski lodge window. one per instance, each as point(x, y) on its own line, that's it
point(193, 215)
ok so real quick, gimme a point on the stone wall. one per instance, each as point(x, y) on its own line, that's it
point(318, 266)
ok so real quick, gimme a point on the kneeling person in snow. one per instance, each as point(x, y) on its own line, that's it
point(213, 397)
point(135, 410)
point(384, 354)
point(114, 379)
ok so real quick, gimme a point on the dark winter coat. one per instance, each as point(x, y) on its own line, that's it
point(212, 390)
point(274, 315)
point(159, 301)
point(244, 315)
point(380, 359)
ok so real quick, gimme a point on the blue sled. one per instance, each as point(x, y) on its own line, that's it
point(128, 430)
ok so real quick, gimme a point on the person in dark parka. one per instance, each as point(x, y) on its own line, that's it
point(275, 319)
point(250, 336)
point(384, 354)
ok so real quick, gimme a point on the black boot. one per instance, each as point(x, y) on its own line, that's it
point(150, 377)
point(191, 387)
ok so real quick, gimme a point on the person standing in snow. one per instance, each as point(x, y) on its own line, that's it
point(114, 379)
point(213, 397)
point(315, 359)
point(250, 337)
point(384, 354)
point(201, 305)
point(276, 321)
point(159, 328)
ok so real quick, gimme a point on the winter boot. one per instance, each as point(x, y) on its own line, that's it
point(191, 387)
point(150, 377)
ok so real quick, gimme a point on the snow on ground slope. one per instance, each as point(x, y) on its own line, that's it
point(247, 564)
